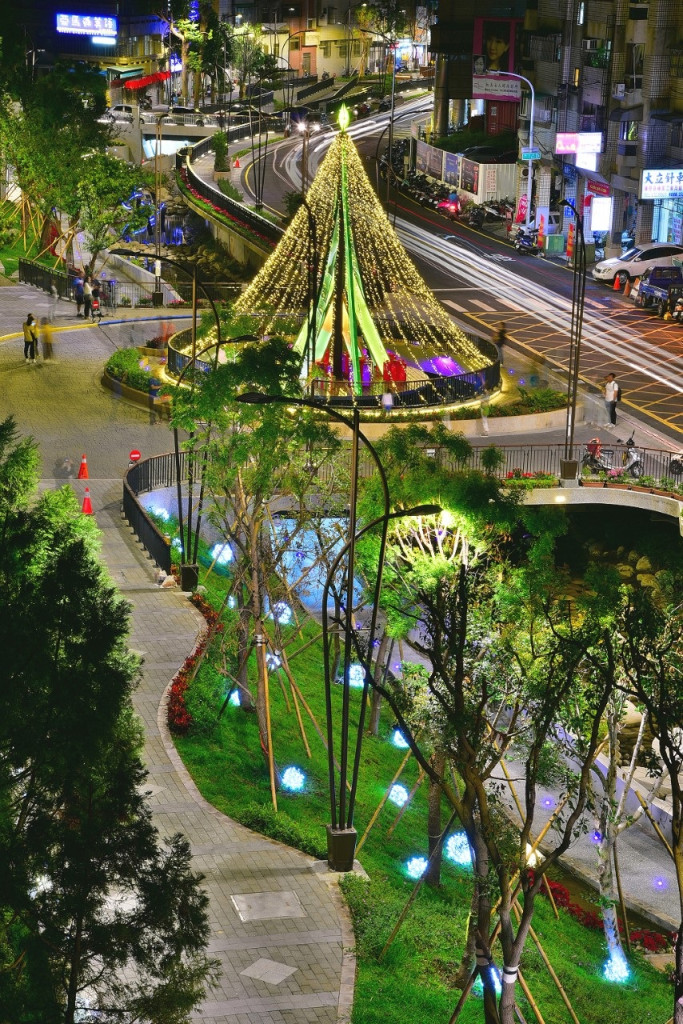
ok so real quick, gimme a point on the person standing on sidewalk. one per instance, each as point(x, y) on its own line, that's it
point(499, 340)
point(78, 293)
point(611, 393)
point(30, 338)
point(87, 296)
point(46, 338)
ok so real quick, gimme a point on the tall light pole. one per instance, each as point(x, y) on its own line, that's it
point(569, 468)
point(512, 74)
point(341, 835)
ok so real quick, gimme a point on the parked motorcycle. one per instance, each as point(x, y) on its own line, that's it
point(677, 312)
point(676, 464)
point(601, 460)
point(527, 241)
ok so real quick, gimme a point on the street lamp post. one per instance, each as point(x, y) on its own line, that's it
point(341, 835)
point(512, 74)
point(569, 466)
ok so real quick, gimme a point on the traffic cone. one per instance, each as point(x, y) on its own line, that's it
point(627, 287)
point(83, 469)
point(87, 503)
point(617, 284)
point(236, 163)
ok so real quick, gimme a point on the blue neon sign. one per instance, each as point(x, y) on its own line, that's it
point(87, 25)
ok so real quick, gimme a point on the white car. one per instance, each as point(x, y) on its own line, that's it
point(636, 261)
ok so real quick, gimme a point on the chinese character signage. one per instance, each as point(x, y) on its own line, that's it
point(664, 184)
point(578, 142)
point(87, 25)
point(494, 52)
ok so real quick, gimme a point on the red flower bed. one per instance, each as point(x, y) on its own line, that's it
point(223, 213)
point(178, 717)
point(651, 941)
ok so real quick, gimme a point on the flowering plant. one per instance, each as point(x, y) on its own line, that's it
point(178, 717)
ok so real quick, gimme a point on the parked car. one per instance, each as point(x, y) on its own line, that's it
point(654, 290)
point(119, 112)
point(636, 261)
point(180, 115)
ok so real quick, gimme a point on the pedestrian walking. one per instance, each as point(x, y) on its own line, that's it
point(500, 340)
point(78, 293)
point(611, 392)
point(87, 296)
point(54, 299)
point(46, 338)
point(30, 338)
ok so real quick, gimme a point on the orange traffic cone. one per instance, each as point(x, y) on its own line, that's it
point(627, 287)
point(236, 162)
point(87, 503)
point(83, 469)
point(617, 284)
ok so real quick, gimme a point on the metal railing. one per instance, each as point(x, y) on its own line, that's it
point(259, 224)
point(150, 475)
point(43, 277)
point(517, 461)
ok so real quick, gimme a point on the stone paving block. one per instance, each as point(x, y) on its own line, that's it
point(270, 971)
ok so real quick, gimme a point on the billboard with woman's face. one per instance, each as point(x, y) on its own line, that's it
point(494, 50)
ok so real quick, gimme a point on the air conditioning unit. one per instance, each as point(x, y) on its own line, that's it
point(619, 91)
point(591, 45)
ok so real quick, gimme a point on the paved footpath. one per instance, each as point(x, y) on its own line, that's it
point(278, 925)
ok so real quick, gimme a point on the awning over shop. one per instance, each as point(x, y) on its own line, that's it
point(141, 83)
point(593, 175)
point(627, 114)
point(670, 116)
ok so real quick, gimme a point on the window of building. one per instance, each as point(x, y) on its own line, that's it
point(326, 48)
point(355, 48)
point(628, 131)
point(677, 135)
point(295, 44)
point(343, 49)
point(577, 77)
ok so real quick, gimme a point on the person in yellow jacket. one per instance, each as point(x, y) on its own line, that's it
point(30, 338)
point(46, 336)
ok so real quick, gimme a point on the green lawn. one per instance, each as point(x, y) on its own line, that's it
point(413, 983)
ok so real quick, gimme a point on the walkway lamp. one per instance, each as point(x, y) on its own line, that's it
point(341, 835)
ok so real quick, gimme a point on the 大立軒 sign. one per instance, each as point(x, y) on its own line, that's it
point(664, 183)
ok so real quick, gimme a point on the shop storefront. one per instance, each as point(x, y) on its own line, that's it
point(667, 221)
point(664, 187)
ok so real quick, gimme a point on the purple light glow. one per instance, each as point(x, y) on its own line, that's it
point(548, 802)
point(596, 836)
point(445, 366)
point(660, 884)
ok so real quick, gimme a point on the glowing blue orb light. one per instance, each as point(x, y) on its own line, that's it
point(399, 740)
point(596, 836)
point(160, 513)
point(356, 675)
point(660, 883)
point(282, 613)
point(273, 661)
point(221, 554)
point(398, 795)
point(548, 802)
point(458, 850)
point(234, 699)
point(177, 543)
point(416, 867)
point(616, 969)
point(232, 602)
point(293, 779)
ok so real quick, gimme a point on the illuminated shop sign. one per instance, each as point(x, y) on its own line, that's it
point(661, 184)
point(578, 142)
point(87, 25)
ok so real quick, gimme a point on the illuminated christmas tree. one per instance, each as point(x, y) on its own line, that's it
point(360, 302)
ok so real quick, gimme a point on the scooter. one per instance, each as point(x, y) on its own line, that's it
point(676, 464)
point(601, 460)
point(677, 312)
point(527, 241)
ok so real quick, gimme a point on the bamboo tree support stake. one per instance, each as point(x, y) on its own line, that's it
point(655, 825)
point(521, 816)
point(315, 724)
point(546, 961)
point(397, 819)
point(288, 672)
point(384, 799)
point(261, 651)
point(532, 1002)
point(418, 885)
point(281, 681)
point(624, 916)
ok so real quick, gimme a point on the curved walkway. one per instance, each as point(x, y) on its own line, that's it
point(278, 925)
